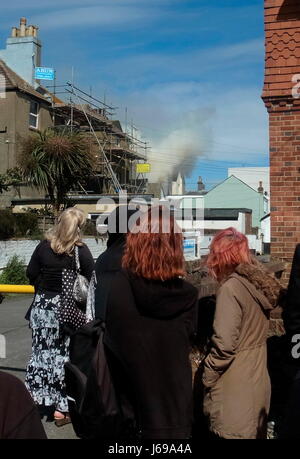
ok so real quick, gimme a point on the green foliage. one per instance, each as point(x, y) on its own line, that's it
point(18, 225)
point(54, 161)
point(11, 178)
point(14, 273)
point(3, 183)
point(26, 224)
point(7, 224)
point(44, 211)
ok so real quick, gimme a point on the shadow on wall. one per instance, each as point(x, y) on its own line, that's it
point(290, 9)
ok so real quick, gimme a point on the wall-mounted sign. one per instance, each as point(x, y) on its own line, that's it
point(44, 73)
point(143, 168)
point(189, 248)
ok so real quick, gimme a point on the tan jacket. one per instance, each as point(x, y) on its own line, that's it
point(236, 380)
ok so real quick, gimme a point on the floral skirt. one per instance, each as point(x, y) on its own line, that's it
point(50, 351)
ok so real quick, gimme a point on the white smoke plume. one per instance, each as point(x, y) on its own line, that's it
point(180, 149)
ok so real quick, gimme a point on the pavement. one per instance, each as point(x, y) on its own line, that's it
point(17, 336)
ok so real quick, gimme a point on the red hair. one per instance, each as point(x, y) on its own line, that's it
point(154, 247)
point(228, 249)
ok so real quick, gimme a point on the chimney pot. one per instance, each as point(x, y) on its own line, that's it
point(23, 23)
point(14, 32)
point(260, 189)
point(29, 32)
point(35, 31)
point(201, 185)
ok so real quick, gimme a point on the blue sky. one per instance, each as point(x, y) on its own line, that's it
point(190, 72)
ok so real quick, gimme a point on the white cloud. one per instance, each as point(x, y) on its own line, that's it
point(93, 15)
point(141, 68)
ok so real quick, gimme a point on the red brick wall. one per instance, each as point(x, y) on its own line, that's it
point(282, 28)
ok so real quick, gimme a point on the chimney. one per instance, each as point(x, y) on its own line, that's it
point(201, 186)
point(23, 51)
point(14, 32)
point(260, 189)
point(23, 22)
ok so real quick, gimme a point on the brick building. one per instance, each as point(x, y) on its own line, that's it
point(281, 95)
point(26, 108)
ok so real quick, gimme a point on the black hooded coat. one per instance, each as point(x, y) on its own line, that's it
point(148, 329)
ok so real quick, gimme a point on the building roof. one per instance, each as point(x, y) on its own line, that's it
point(196, 193)
point(237, 180)
point(252, 176)
point(15, 82)
point(225, 214)
point(265, 217)
point(84, 199)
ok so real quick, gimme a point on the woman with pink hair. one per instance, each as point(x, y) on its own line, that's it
point(235, 375)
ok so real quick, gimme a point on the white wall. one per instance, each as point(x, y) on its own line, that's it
point(266, 230)
point(25, 248)
point(239, 225)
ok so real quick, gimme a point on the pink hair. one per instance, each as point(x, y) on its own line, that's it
point(228, 249)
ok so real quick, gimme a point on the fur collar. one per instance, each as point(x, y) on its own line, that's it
point(263, 281)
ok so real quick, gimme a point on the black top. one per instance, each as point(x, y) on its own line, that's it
point(45, 267)
point(291, 312)
point(19, 417)
point(148, 329)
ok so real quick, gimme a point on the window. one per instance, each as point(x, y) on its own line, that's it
point(34, 115)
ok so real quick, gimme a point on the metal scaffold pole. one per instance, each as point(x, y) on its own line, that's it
point(116, 183)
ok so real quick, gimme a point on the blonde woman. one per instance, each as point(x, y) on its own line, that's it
point(50, 345)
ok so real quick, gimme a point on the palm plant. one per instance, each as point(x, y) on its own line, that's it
point(55, 161)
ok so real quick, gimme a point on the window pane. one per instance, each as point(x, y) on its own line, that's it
point(33, 121)
point(34, 108)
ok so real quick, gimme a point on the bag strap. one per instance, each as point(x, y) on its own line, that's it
point(77, 262)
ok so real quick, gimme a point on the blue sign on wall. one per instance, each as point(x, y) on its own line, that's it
point(189, 248)
point(44, 73)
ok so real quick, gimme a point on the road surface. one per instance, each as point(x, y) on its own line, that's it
point(17, 335)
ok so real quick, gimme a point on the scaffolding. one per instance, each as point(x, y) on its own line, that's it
point(117, 152)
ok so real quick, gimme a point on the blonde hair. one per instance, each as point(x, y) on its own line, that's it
point(66, 233)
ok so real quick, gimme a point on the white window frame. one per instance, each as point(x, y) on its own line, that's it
point(35, 115)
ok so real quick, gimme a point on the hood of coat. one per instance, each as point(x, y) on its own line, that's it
point(163, 299)
point(264, 288)
point(111, 259)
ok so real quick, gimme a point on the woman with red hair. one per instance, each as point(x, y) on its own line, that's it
point(235, 376)
point(149, 320)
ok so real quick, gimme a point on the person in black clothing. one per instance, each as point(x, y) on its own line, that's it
point(110, 261)
point(149, 321)
point(19, 417)
point(291, 318)
point(51, 260)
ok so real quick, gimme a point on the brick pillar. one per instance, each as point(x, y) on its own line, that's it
point(282, 29)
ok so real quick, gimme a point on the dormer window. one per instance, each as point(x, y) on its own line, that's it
point(34, 115)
